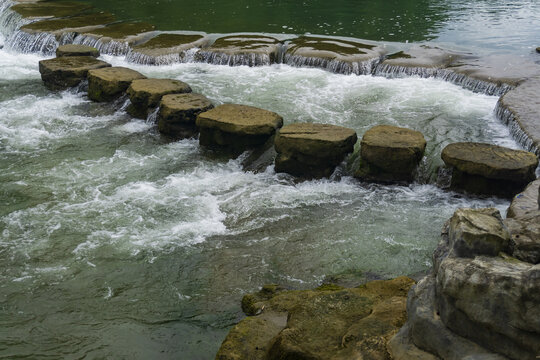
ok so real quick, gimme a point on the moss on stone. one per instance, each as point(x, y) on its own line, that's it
point(399, 55)
point(336, 46)
point(163, 41)
point(72, 23)
point(50, 9)
point(120, 31)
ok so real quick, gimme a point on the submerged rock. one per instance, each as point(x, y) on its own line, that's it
point(76, 50)
point(250, 50)
point(329, 322)
point(390, 153)
point(237, 127)
point(109, 83)
point(178, 113)
point(165, 49)
point(50, 9)
point(147, 93)
point(72, 24)
point(64, 72)
point(335, 55)
point(312, 150)
point(489, 169)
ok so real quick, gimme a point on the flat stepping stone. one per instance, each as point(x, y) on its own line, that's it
point(64, 72)
point(76, 50)
point(489, 169)
point(109, 83)
point(312, 150)
point(237, 127)
point(178, 114)
point(165, 49)
point(390, 154)
point(250, 50)
point(146, 94)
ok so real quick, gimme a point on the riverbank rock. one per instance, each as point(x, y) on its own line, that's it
point(109, 83)
point(77, 50)
point(165, 49)
point(329, 322)
point(64, 72)
point(250, 50)
point(335, 55)
point(237, 127)
point(178, 114)
point(489, 169)
point(146, 94)
point(312, 150)
point(525, 202)
point(475, 304)
point(390, 153)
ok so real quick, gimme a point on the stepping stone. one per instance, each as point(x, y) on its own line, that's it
point(250, 50)
point(110, 83)
point(76, 50)
point(312, 150)
point(390, 154)
point(64, 72)
point(178, 113)
point(237, 127)
point(146, 94)
point(165, 49)
point(489, 169)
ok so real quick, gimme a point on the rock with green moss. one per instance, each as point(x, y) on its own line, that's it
point(390, 154)
point(489, 169)
point(336, 55)
point(408, 62)
point(329, 322)
point(48, 9)
point(178, 113)
point(74, 24)
point(145, 94)
point(312, 150)
point(110, 83)
point(76, 50)
point(250, 50)
point(237, 128)
point(116, 39)
point(165, 49)
point(64, 72)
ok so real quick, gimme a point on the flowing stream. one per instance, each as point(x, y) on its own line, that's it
point(118, 243)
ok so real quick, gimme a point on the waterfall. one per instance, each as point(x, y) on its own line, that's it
point(509, 119)
point(333, 65)
point(218, 58)
point(144, 59)
point(110, 47)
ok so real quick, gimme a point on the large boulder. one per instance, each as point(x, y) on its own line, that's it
point(178, 113)
point(312, 150)
point(108, 84)
point(329, 322)
point(237, 127)
point(165, 49)
point(489, 169)
point(390, 153)
point(146, 94)
point(251, 50)
point(76, 50)
point(64, 72)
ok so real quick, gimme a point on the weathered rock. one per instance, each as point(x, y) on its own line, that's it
point(178, 113)
point(116, 39)
point(237, 127)
point(489, 169)
point(165, 49)
point(50, 9)
point(147, 93)
point(336, 55)
point(250, 50)
point(109, 83)
point(72, 24)
point(525, 236)
point(76, 50)
point(312, 150)
point(64, 72)
point(330, 322)
point(390, 153)
point(525, 202)
point(421, 57)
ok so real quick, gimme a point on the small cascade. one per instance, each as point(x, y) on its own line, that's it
point(509, 119)
point(43, 43)
point(144, 59)
point(393, 71)
point(332, 65)
point(153, 116)
point(10, 21)
point(110, 47)
point(218, 58)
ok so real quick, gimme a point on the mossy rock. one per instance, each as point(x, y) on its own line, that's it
point(178, 113)
point(64, 72)
point(50, 9)
point(237, 127)
point(72, 24)
point(109, 83)
point(121, 31)
point(166, 44)
point(251, 50)
point(422, 57)
point(312, 150)
point(390, 153)
point(76, 50)
point(147, 93)
point(333, 49)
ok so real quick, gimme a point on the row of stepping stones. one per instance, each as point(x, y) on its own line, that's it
point(307, 150)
